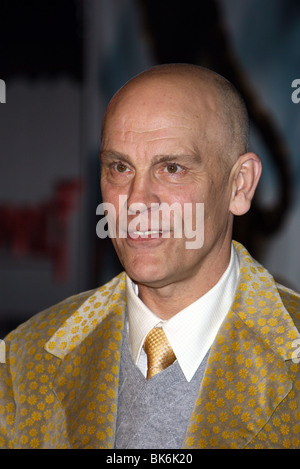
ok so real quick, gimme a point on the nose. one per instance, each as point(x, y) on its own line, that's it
point(142, 193)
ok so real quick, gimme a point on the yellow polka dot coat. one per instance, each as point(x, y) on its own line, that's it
point(59, 378)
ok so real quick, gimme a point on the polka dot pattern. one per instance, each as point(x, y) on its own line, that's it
point(250, 394)
point(59, 385)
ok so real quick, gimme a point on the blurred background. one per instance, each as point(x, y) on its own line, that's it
point(61, 61)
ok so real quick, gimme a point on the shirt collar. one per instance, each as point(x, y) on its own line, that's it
point(191, 331)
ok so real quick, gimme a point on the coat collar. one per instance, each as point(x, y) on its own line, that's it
point(107, 299)
point(246, 376)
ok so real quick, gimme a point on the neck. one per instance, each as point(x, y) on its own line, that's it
point(167, 300)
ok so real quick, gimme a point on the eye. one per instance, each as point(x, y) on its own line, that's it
point(173, 168)
point(120, 167)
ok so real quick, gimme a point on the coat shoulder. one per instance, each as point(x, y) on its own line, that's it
point(291, 301)
point(40, 327)
point(43, 324)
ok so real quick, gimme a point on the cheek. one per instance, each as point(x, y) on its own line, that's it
point(103, 186)
point(110, 193)
point(216, 207)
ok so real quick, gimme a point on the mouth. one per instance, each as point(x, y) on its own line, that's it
point(145, 234)
point(149, 236)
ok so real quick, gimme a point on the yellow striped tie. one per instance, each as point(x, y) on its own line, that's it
point(159, 352)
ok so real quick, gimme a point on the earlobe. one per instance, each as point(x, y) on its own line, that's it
point(245, 176)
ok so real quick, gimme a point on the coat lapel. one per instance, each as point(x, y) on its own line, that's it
point(246, 376)
point(86, 382)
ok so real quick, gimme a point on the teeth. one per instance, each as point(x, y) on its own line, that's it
point(145, 233)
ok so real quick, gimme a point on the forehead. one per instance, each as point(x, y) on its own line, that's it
point(167, 117)
point(162, 104)
point(175, 92)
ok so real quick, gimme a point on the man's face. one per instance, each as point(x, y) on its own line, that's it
point(158, 148)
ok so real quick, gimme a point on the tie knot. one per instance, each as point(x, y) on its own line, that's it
point(159, 352)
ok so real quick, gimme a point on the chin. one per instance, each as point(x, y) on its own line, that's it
point(146, 274)
point(146, 266)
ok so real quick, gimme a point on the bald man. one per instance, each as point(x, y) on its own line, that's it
point(194, 345)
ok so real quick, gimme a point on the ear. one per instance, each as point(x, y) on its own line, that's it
point(245, 175)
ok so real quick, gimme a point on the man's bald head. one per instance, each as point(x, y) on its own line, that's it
point(176, 134)
point(197, 82)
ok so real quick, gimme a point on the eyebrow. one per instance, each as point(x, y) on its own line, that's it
point(173, 158)
point(112, 155)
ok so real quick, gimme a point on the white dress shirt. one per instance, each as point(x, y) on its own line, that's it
point(192, 330)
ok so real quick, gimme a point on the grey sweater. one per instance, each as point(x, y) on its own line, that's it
point(154, 414)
